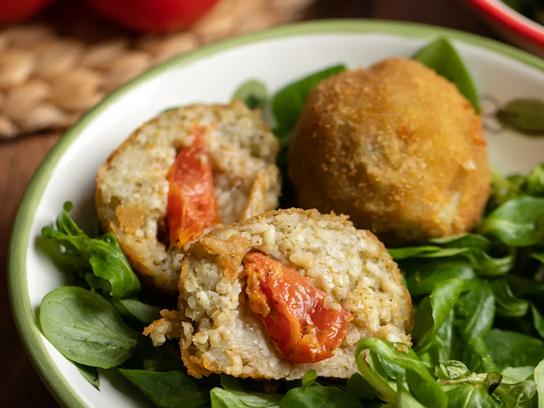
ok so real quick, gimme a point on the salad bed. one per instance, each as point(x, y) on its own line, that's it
point(477, 339)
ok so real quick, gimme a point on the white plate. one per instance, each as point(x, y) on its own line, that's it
point(211, 74)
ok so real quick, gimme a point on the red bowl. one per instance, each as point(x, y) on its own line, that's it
point(513, 26)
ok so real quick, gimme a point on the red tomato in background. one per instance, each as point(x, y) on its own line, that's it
point(156, 16)
point(13, 11)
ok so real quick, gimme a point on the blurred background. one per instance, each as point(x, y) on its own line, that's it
point(59, 58)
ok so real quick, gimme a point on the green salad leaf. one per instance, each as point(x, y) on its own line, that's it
point(222, 398)
point(538, 321)
point(477, 357)
point(171, 389)
point(534, 183)
point(514, 393)
point(133, 308)
point(420, 383)
point(319, 397)
point(442, 57)
point(103, 254)
point(434, 310)
point(86, 328)
point(513, 349)
point(518, 373)
point(405, 399)
point(504, 189)
point(233, 395)
point(421, 278)
point(360, 388)
point(451, 370)
point(471, 248)
point(517, 223)
point(470, 396)
point(90, 374)
point(507, 304)
point(539, 380)
point(442, 341)
point(525, 116)
point(288, 102)
point(172, 108)
point(474, 313)
point(253, 93)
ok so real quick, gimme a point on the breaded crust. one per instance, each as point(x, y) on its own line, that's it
point(220, 334)
point(132, 185)
point(397, 148)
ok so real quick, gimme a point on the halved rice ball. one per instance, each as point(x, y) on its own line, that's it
point(132, 188)
point(340, 282)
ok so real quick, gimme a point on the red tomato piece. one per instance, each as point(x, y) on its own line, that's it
point(153, 15)
point(12, 11)
point(302, 323)
point(191, 201)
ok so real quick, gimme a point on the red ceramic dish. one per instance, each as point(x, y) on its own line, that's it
point(515, 27)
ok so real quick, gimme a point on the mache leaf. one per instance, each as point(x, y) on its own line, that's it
point(440, 346)
point(534, 183)
point(538, 321)
point(474, 313)
point(86, 328)
point(518, 373)
point(477, 357)
point(471, 248)
point(422, 277)
point(421, 384)
point(434, 310)
point(517, 223)
point(103, 254)
point(134, 308)
point(319, 397)
point(504, 188)
point(442, 57)
point(513, 393)
point(253, 93)
point(222, 398)
point(470, 396)
point(405, 399)
point(288, 102)
point(539, 381)
point(525, 116)
point(90, 374)
point(171, 389)
point(513, 349)
point(506, 303)
point(360, 388)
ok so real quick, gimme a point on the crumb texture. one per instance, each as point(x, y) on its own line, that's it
point(397, 148)
point(219, 332)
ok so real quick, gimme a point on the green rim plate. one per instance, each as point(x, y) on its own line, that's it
point(18, 288)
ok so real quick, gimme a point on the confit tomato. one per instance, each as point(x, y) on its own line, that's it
point(157, 16)
point(302, 323)
point(13, 11)
point(191, 201)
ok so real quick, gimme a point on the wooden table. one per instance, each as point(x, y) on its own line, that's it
point(20, 385)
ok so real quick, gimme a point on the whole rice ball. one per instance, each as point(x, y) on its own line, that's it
point(397, 148)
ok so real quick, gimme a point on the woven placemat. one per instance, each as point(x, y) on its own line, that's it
point(55, 68)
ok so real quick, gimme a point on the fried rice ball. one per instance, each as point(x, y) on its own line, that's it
point(221, 331)
point(132, 185)
point(397, 148)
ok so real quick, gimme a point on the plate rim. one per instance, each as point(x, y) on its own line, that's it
point(24, 317)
